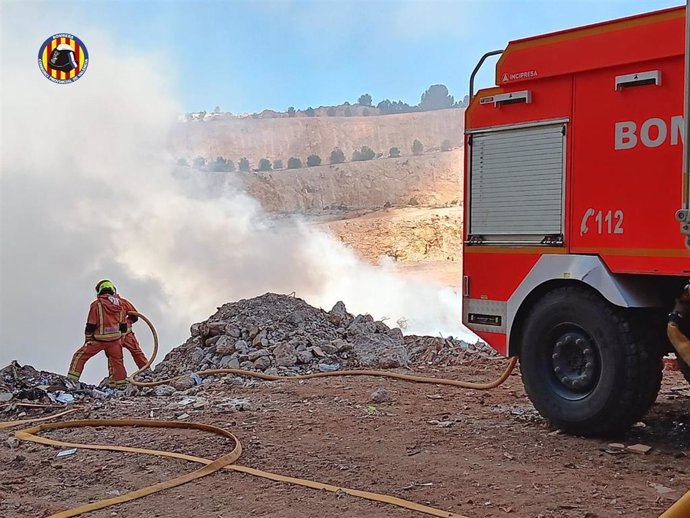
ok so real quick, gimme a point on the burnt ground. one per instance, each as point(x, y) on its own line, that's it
point(480, 454)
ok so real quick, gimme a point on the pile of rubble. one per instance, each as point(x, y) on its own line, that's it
point(282, 334)
point(24, 383)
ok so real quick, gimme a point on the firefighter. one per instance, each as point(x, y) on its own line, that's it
point(678, 328)
point(129, 341)
point(106, 324)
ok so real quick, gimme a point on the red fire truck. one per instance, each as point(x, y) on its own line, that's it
point(574, 191)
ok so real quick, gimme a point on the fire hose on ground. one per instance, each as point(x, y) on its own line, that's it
point(680, 509)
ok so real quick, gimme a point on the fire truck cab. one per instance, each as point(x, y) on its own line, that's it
point(572, 253)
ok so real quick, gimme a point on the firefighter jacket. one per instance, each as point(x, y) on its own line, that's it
point(107, 320)
point(128, 306)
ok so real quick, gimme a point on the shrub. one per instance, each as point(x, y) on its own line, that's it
point(394, 152)
point(294, 163)
point(313, 160)
point(365, 153)
point(337, 156)
point(264, 164)
point(417, 147)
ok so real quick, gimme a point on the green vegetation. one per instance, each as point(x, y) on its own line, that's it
point(264, 164)
point(313, 160)
point(294, 163)
point(363, 154)
point(337, 156)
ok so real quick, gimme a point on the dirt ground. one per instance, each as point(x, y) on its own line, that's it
point(480, 454)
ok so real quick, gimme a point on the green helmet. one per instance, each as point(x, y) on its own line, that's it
point(105, 284)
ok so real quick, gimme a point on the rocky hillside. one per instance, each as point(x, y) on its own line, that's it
point(432, 179)
point(404, 235)
point(280, 139)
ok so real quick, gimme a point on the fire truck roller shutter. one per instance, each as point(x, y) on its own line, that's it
point(517, 183)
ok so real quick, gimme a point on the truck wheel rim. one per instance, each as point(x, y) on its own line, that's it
point(575, 362)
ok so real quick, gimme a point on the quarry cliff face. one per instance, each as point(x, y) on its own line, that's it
point(428, 180)
point(282, 138)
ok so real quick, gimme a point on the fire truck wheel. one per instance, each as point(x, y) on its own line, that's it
point(582, 365)
point(685, 369)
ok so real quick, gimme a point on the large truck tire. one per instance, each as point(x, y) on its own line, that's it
point(583, 366)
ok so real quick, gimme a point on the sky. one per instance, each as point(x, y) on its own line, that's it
point(246, 56)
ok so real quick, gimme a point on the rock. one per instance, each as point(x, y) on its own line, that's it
point(338, 315)
point(341, 345)
point(232, 331)
point(262, 363)
point(246, 365)
point(253, 332)
point(216, 328)
point(229, 362)
point(195, 329)
point(285, 355)
point(396, 334)
point(381, 327)
point(329, 367)
point(359, 327)
point(5, 397)
point(329, 349)
point(198, 355)
point(254, 355)
point(379, 351)
point(642, 449)
point(304, 357)
point(183, 416)
point(242, 346)
point(210, 342)
point(225, 346)
point(184, 382)
point(380, 395)
point(295, 318)
point(12, 442)
point(256, 341)
point(317, 351)
point(164, 390)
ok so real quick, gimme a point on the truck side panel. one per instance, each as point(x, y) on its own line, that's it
point(626, 181)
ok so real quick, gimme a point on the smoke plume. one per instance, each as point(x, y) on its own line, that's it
point(88, 193)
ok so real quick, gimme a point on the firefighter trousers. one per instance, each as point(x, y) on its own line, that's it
point(131, 343)
point(113, 351)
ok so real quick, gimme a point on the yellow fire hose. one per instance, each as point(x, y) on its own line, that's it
point(679, 510)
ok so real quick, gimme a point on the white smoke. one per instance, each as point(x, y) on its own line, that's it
point(87, 193)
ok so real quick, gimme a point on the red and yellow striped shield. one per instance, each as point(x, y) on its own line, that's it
point(63, 58)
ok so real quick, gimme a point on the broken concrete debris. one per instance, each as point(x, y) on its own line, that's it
point(283, 334)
